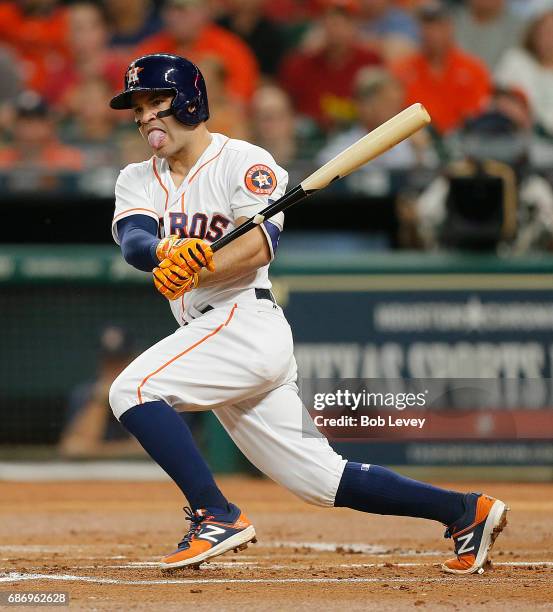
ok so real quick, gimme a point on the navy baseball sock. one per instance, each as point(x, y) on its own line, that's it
point(168, 441)
point(378, 490)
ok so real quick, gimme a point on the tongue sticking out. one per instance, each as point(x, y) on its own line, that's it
point(156, 138)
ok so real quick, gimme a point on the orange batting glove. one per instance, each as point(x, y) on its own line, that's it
point(172, 281)
point(190, 254)
point(165, 246)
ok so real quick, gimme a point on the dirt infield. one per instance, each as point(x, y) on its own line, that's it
point(100, 542)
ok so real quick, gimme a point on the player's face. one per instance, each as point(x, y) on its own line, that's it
point(165, 135)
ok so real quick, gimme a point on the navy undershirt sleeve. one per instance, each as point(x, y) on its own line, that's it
point(138, 238)
point(274, 234)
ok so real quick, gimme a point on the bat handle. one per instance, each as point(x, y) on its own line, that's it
point(289, 199)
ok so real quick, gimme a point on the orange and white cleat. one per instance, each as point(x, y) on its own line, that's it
point(474, 533)
point(210, 535)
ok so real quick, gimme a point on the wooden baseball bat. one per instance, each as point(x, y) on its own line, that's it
point(384, 137)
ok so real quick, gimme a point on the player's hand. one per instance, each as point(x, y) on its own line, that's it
point(190, 254)
point(172, 281)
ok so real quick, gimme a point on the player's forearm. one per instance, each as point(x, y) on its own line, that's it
point(240, 258)
point(138, 238)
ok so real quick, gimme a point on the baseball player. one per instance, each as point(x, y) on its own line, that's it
point(233, 351)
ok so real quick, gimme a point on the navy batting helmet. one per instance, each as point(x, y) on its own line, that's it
point(172, 74)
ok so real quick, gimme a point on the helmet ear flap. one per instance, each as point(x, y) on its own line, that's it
point(185, 110)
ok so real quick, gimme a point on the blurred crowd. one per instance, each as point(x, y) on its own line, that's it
point(303, 79)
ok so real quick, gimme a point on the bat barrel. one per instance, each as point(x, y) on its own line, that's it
point(384, 137)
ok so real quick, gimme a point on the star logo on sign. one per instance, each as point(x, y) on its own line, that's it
point(132, 74)
point(261, 179)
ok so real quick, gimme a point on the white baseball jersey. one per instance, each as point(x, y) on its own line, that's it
point(231, 179)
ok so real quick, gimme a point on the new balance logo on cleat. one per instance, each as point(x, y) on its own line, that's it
point(465, 540)
point(210, 535)
point(213, 531)
point(474, 533)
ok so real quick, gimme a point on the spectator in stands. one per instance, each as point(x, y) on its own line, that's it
point(452, 84)
point(35, 145)
point(93, 127)
point(531, 68)
point(320, 81)
point(89, 57)
point(274, 124)
point(450, 210)
point(390, 30)
point(487, 28)
point(378, 97)
point(133, 149)
point(10, 78)
point(528, 8)
point(410, 5)
point(226, 113)
point(292, 141)
point(246, 19)
point(290, 11)
point(131, 22)
point(36, 31)
point(189, 31)
point(513, 103)
point(293, 17)
point(91, 429)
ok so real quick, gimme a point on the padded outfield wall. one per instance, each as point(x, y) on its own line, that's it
point(402, 315)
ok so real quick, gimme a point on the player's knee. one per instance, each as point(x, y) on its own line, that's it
point(122, 394)
point(316, 494)
point(324, 499)
point(321, 479)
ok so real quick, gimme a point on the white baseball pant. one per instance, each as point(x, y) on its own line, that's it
point(238, 361)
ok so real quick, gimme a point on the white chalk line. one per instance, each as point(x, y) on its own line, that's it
point(279, 566)
point(216, 565)
point(341, 547)
point(21, 577)
point(296, 566)
point(156, 565)
point(334, 547)
point(17, 577)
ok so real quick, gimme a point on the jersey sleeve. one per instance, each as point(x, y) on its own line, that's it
point(131, 198)
point(258, 181)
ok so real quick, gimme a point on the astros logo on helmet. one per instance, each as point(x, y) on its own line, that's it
point(132, 74)
point(170, 74)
